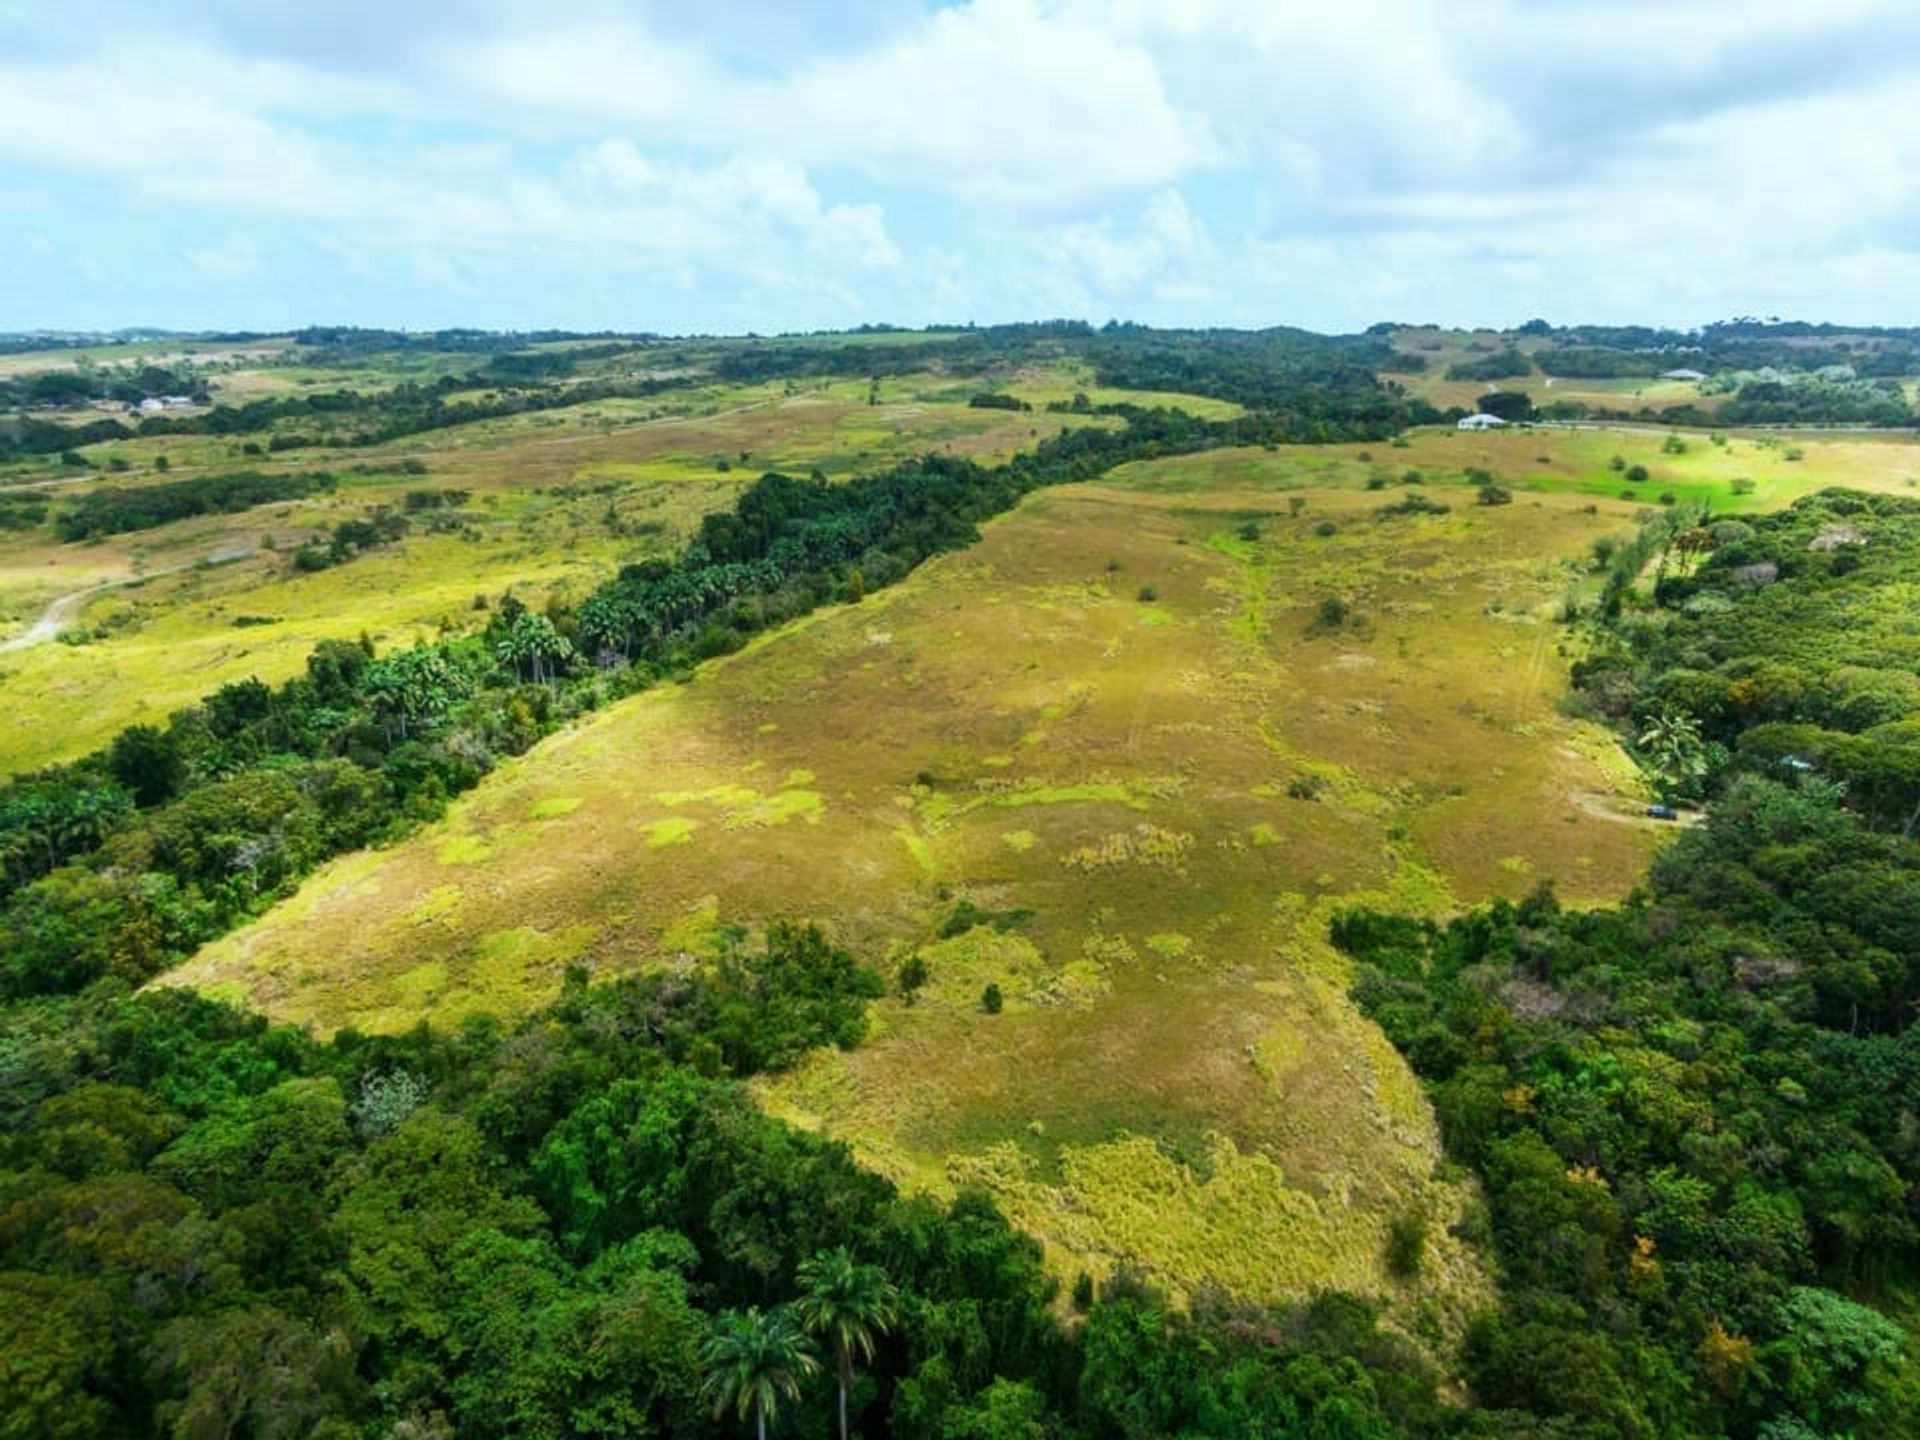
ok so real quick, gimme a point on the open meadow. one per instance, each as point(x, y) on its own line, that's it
point(1121, 760)
point(554, 498)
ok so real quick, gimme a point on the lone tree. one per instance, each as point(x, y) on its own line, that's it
point(755, 1360)
point(846, 1305)
point(1671, 740)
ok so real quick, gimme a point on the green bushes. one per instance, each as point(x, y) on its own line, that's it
point(113, 511)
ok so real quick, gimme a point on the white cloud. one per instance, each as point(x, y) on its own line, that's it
point(1203, 160)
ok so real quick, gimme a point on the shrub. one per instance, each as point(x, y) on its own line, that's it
point(1741, 485)
point(1407, 1244)
point(1637, 474)
point(912, 975)
point(991, 1000)
point(1494, 495)
point(1414, 505)
point(1148, 594)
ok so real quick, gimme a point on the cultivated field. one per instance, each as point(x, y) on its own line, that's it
point(1126, 732)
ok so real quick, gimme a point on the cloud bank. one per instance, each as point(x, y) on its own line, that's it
point(757, 166)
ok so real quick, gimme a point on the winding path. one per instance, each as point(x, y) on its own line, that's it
point(64, 610)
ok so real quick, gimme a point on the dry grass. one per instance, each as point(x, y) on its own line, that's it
point(1177, 1075)
point(542, 485)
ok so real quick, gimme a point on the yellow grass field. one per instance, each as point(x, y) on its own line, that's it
point(1113, 727)
point(543, 486)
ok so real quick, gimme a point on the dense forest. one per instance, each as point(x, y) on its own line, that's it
point(1694, 1115)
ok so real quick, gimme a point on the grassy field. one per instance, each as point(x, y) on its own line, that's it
point(1553, 460)
point(559, 498)
point(1117, 731)
point(1442, 349)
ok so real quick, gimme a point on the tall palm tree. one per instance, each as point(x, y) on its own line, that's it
point(755, 1360)
point(845, 1304)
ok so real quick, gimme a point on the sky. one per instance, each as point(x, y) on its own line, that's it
point(773, 165)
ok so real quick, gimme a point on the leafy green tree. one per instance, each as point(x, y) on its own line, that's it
point(1829, 1362)
point(531, 643)
point(56, 1347)
point(148, 762)
point(755, 1360)
point(846, 1305)
point(1671, 740)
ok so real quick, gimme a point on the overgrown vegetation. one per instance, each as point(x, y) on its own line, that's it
point(1693, 1114)
point(111, 510)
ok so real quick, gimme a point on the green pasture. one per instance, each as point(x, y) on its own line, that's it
point(1151, 807)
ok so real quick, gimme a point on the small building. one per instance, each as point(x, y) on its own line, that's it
point(151, 406)
point(1481, 422)
point(1682, 374)
point(177, 402)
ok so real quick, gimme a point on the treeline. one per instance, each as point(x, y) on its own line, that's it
point(1778, 642)
point(112, 510)
point(576, 1225)
point(333, 344)
point(1590, 362)
point(858, 354)
point(1590, 350)
point(1505, 364)
point(85, 385)
point(1814, 400)
point(1693, 1115)
point(124, 862)
point(333, 417)
point(1312, 381)
point(1698, 1191)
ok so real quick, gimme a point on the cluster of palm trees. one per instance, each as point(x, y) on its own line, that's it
point(756, 1359)
point(531, 645)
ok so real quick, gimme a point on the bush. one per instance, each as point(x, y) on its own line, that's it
point(991, 1000)
point(1407, 1244)
point(1637, 474)
point(911, 977)
point(1148, 594)
point(1494, 495)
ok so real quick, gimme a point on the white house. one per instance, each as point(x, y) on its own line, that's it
point(1481, 422)
point(1682, 375)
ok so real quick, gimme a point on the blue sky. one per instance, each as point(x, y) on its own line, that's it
point(752, 165)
